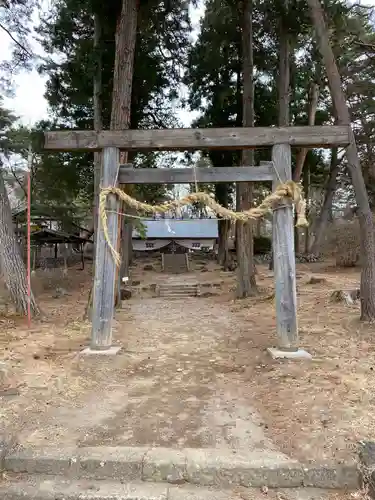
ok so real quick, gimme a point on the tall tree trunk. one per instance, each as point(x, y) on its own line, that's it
point(239, 123)
point(11, 264)
point(126, 232)
point(311, 112)
point(259, 228)
point(98, 124)
point(284, 81)
point(246, 283)
point(126, 33)
point(301, 156)
point(320, 224)
point(223, 257)
point(284, 76)
point(367, 287)
point(306, 189)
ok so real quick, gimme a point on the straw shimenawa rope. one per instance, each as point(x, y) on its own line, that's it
point(287, 192)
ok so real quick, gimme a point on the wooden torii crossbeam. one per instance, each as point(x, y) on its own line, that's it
point(279, 170)
point(192, 138)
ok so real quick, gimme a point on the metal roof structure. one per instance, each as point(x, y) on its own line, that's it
point(52, 236)
point(180, 229)
point(45, 213)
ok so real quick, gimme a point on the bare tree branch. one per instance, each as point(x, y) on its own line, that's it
point(159, 123)
point(360, 6)
point(368, 46)
point(16, 41)
point(18, 180)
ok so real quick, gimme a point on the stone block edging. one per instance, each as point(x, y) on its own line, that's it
point(204, 467)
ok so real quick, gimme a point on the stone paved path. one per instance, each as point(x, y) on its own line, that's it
point(171, 386)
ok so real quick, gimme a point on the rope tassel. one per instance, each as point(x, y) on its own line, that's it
point(288, 191)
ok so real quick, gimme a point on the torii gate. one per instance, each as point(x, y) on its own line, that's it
point(279, 170)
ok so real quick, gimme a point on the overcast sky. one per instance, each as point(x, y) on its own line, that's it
point(29, 103)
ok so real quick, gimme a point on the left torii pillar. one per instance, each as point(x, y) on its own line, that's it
point(105, 267)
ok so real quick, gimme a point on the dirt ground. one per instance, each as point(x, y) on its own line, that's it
point(192, 372)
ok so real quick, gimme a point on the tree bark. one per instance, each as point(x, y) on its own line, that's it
point(367, 287)
point(222, 197)
point(301, 157)
point(284, 82)
point(320, 225)
point(246, 283)
point(11, 264)
point(284, 76)
point(259, 228)
point(223, 257)
point(126, 33)
point(98, 123)
point(311, 112)
point(306, 189)
point(126, 231)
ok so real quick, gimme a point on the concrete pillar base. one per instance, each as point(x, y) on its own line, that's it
point(111, 351)
point(279, 354)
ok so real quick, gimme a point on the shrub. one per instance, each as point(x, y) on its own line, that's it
point(347, 241)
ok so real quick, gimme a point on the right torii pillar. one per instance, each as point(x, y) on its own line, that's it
point(285, 264)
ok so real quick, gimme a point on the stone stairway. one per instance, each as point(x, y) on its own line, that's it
point(178, 289)
point(175, 263)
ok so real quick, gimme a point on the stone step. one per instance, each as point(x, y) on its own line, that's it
point(44, 488)
point(178, 287)
point(178, 283)
point(173, 280)
point(177, 267)
point(206, 467)
point(188, 278)
point(173, 271)
point(179, 290)
point(177, 296)
point(34, 488)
